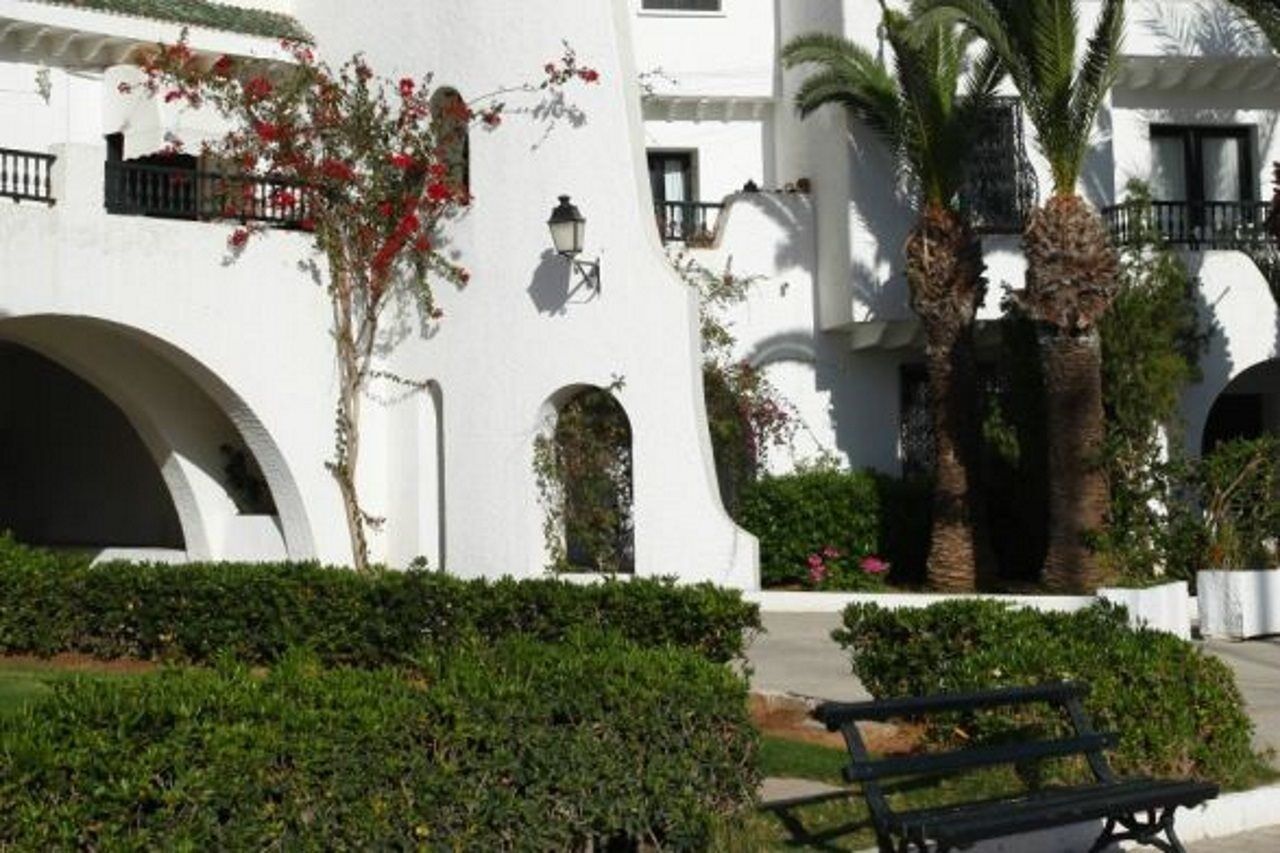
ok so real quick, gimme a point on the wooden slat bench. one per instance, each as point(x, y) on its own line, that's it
point(1139, 810)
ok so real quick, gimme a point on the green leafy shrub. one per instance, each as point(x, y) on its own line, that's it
point(529, 746)
point(51, 604)
point(1231, 516)
point(853, 513)
point(1178, 712)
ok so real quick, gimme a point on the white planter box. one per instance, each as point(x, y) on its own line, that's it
point(1162, 608)
point(1239, 605)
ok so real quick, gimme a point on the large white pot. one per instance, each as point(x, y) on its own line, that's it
point(1166, 607)
point(1239, 605)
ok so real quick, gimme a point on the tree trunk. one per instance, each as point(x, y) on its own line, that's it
point(945, 273)
point(955, 554)
point(346, 436)
point(1078, 493)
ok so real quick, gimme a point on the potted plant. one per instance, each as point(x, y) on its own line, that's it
point(1239, 495)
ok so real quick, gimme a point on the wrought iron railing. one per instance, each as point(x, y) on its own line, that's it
point(26, 175)
point(143, 189)
point(1199, 225)
point(690, 222)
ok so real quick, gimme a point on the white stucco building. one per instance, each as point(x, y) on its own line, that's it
point(139, 369)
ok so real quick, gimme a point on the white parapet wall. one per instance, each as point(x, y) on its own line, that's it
point(1165, 608)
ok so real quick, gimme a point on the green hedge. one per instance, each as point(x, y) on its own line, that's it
point(1178, 712)
point(858, 513)
point(520, 746)
point(51, 604)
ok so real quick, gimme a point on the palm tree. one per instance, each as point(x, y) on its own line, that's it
point(1072, 265)
point(919, 110)
point(1266, 15)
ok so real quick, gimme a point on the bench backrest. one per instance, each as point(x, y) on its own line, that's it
point(844, 717)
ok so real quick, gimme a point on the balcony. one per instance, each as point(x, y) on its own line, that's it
point(26, 175)
point(174, 192)
point(693, 223)
point(1199, 226)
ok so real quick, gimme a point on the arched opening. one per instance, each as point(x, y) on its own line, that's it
point(1247, 408)
point(584, 467)
point(73, 471)
point(161, 414)
point(451, 119)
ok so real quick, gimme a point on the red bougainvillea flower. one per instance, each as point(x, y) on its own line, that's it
point(406, 87)
point(438, 191)
point(337, 170)
point(403, 161)
point(268, 131)
point(258, 89)
point(307, 224)
point(283, 198)
point(588, 75)
point(873, 565)
point(238, 238)
point(224, 67)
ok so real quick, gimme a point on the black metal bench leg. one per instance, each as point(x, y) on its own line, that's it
point(1105, 839)
point(1175, 843)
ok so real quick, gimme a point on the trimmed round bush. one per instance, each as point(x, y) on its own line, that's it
point(1177, 711)
point(584, 744)
point(51, 604)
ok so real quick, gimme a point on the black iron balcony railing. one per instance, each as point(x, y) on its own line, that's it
point(1198, 225)
point(143, 189)
point(690, 222)
point(26, 175)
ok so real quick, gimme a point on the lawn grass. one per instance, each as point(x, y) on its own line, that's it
point(843, 823)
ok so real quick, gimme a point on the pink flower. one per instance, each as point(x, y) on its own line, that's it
point(831, 553)
point(815, 560)
point(818, 573)
point(873, 565)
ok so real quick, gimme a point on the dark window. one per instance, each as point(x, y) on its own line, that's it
point(683, 5)
point(1202, 180)
point(1201, 164)
point(1000, 187)
point(671, 176)
point(452, 118)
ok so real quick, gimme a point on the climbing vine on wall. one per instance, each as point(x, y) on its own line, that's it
point(583, 466)
point(746, 414)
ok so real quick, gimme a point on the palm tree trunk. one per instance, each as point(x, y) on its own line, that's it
point(945, 273)
point(1078, 491)
point(955, 550)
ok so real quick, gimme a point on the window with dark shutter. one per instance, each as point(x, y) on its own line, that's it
point(683, 5)
point(1000, 187)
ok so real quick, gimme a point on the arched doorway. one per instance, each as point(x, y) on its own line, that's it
point(147, 434)
point(73, 472)
point(585, 473)
point(1248, 407)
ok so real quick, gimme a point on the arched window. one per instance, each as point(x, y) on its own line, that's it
point(452, 122)
point(585, 472)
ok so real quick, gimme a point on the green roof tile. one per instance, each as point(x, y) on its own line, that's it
point(199, 13)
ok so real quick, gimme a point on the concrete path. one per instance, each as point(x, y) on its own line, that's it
point(1262, 841)
point(797, 655)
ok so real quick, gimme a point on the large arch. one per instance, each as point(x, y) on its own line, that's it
point(1247, 407)
point(188, 419)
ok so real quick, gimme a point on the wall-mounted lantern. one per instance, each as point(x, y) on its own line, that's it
point(568, 232)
